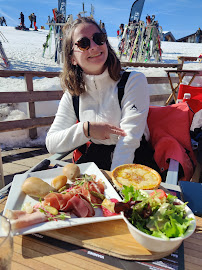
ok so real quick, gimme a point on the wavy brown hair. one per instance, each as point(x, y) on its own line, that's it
point(71, 76)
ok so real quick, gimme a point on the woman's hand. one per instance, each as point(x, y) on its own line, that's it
point(102, 131)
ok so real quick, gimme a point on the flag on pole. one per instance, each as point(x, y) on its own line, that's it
point(62, 7)
point(136, 10)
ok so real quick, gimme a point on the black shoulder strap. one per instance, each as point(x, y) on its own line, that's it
point(121, 85)
point(75, 100)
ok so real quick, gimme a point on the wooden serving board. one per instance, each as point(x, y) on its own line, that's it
point(111, 238)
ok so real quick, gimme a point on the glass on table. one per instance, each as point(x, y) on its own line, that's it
point(6, 243)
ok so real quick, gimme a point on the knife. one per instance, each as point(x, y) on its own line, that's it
point(43, 165)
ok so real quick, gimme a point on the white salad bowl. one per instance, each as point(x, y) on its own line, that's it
point(157, 244)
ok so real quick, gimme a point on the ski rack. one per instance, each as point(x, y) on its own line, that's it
point(140, 42)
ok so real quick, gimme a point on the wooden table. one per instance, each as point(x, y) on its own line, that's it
point(181, 74)
point(182, 59)
point(33, 253)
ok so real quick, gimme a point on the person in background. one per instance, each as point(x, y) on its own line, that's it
point(121, 27)
point(31, 19)
point(49, 21)
point(153, 18)
point(34, 20)
point(198, 35)
point(148, 20)
point(103, 28)
point(22, 19)
point(200, 58)
point(91, 73)
point(3, 21)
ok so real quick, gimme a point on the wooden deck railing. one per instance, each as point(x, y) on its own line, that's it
point(31, 96)
point(155, 65)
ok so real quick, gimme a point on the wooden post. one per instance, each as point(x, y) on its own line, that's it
point(31, 105)
point(181, 62)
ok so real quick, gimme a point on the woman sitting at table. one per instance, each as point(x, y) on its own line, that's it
point(92, 71)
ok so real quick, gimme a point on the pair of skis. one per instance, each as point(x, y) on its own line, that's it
point(3, 56)
point(135, 46)
point(58, 36)
point(123, 42)
point(48, 41)
point(148, 46)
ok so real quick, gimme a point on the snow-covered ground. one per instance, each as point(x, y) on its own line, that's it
point(24, 50)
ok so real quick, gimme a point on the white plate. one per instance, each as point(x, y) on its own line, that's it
point(17, 198)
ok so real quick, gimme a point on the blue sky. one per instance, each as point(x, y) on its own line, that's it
point(181, 17)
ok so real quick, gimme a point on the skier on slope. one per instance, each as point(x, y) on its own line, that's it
point(34, 20)
point(31, 19)
point(3, 20)
point(22, 20)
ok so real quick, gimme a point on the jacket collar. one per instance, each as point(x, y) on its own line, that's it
point(97, 81)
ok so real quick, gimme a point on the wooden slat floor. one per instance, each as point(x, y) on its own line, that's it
point(19, 160)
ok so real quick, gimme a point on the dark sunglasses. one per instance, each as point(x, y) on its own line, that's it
point(84, 43)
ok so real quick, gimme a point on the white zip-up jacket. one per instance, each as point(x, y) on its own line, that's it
point(100, 104)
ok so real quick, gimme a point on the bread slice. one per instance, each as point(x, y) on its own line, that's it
point(136, 175)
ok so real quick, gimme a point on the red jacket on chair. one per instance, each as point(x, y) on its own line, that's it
point(170, 136)
point(195, 102)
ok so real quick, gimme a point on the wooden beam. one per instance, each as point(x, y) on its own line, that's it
point(19, 73)
point(26, 123)
point(156, 65)
point(158, 98)
point(161, 80)
point(17, 97)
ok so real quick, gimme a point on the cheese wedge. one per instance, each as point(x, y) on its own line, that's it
point(136, 175)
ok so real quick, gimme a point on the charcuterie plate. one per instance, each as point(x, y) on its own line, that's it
point(17, 198)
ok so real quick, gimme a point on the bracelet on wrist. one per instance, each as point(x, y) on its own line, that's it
point(88, 128)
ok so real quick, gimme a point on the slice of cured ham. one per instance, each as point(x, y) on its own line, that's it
point(58, 200)
point(77, 204)
point(20, 219)
point(61, 201)
point(81, 207)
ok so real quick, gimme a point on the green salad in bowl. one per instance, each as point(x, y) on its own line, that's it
point(158, 214)
point(157, 220)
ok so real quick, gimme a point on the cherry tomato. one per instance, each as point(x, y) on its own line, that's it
point(160, 193)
